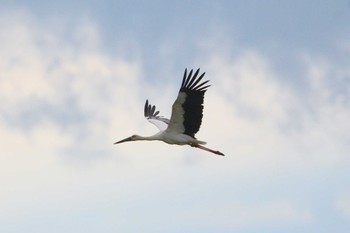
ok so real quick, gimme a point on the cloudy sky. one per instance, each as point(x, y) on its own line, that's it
point(74, 77)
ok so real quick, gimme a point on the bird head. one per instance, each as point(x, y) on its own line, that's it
point(128, 139)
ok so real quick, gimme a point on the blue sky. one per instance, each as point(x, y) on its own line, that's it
point(74, 77)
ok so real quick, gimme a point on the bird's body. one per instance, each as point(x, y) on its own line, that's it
point(178, 138)
point(186, 116)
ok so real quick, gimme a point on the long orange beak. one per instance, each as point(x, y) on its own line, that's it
point(128, 139)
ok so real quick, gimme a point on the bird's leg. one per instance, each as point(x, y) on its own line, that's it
point(206, 149)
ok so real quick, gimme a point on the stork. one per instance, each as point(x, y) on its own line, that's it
point(186, 116)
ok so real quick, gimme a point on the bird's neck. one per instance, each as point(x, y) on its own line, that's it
point(147, 138)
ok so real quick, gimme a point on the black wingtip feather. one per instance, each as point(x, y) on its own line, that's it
point(188, 78)
point(193, 79)
point(193, 105)
point(184, 78)
point(200, 86)
point(145, 109)
point(197, 81)
point(191, 83)
point(151, 113)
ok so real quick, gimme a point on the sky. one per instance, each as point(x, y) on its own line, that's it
point(74, 77)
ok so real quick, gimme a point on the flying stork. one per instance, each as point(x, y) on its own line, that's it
point(186, 116)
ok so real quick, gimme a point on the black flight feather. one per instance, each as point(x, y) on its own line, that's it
point(193, 104)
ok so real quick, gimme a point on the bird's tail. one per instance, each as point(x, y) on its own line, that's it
point(201, 142)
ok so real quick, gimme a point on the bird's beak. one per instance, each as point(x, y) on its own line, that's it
point(128, 139)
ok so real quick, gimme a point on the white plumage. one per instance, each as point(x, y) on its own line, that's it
point(186, 116)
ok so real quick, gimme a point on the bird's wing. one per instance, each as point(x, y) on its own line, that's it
point(187, 111)
point(152, 116)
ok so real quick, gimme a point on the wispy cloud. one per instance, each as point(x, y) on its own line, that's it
point(64, 101)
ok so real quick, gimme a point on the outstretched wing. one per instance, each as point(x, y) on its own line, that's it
point(187, 111)
point(152, 116)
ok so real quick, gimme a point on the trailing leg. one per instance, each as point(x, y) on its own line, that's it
point(206, 149)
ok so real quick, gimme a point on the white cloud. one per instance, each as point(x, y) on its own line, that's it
point(81, 100)
point(48, 80)
point(260, 112)
point(240, 215)
point(41, 72)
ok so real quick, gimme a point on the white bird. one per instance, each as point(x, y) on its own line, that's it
point(186, 116)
